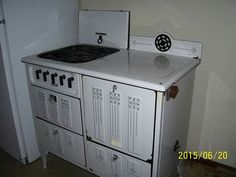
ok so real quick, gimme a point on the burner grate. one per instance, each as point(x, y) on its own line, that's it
point(78, 53)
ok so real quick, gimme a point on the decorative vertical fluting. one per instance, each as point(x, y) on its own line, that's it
point(65, 113)
point(133, 124)
point(115, 119)
point(99, 124)
point(41, 105)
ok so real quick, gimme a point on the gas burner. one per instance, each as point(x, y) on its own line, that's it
point(78, 53)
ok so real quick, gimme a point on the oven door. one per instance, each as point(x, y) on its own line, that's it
point(120, 116)
point(58, 109)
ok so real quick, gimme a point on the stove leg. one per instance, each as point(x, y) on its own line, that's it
point(44, 154)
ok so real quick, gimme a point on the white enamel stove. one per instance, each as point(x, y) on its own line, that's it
point(126, 113)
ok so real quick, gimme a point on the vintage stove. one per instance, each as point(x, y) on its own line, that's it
point(112, 109)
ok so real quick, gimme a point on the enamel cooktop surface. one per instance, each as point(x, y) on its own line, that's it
point(144, 69)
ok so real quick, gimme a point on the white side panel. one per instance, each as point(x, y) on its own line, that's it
point(109, 163)
point(35, 26)
point(114, 25)
point(174, 127)
point(156, 147)
point(123, 114)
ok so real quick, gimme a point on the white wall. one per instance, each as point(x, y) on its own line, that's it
point(32, 27)
point(212, 22)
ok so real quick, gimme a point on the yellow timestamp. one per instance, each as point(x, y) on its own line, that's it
point(207, 155)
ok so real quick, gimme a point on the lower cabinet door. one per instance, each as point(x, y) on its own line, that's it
point(105, 162)
point(61, 142)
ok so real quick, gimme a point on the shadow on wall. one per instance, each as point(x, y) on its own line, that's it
point(219, 124)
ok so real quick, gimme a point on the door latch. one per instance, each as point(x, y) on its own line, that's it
point(55, 132)
point(115, 157)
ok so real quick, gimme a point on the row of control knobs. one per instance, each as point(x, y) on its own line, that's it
point(53, 76)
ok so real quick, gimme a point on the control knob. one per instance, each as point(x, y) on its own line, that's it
point(45, 75)
point(61, 79)
point(69, 80)
point(37, 73)
point(53, 78)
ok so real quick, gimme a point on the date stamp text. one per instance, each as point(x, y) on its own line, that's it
point(207, 155)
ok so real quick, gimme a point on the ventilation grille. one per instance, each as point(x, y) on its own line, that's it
point(163, 42)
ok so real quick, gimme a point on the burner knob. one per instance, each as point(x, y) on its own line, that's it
point(61, 78)
point(45, 75)
point(37, 73)
point(70, 81)
point(53, 78)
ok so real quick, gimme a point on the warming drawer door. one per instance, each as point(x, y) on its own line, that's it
point(109, 163)
point(59, 109)
point(120, 116)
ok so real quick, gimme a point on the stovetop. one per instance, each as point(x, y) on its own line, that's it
point(141, 66)
point(78, 53)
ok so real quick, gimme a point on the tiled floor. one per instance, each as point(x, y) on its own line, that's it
point(10, 167)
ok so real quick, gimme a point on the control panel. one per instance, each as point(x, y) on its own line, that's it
point(54, 79)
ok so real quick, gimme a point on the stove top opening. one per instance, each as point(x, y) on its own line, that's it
point(78, 53)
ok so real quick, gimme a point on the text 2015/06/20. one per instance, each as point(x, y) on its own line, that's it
point(207, 155)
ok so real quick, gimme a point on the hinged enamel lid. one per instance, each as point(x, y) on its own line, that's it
point(104, 28)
